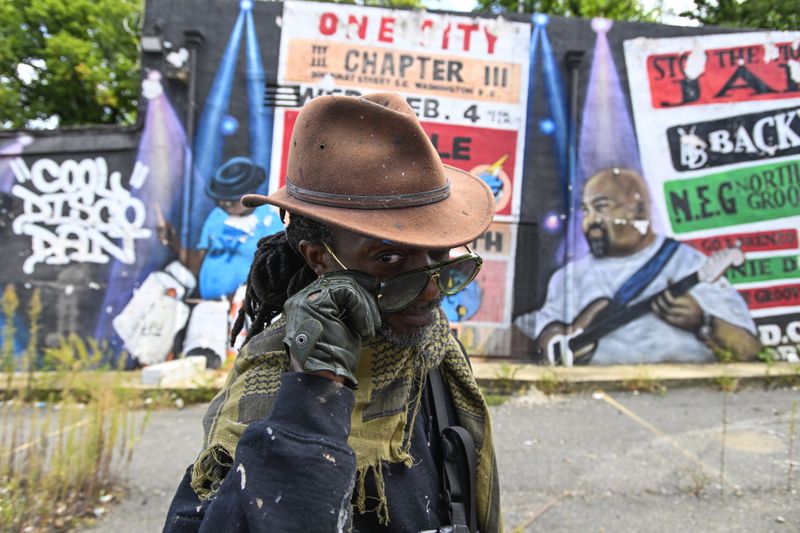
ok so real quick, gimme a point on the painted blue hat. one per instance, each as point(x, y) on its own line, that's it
point(234, 178)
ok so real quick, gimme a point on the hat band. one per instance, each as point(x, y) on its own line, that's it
point(354, 201)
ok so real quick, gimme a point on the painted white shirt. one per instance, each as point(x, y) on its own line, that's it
point(648, 339)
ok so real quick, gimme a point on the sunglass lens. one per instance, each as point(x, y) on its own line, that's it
point(456, 276)
point(365, 280)
point(400, 292)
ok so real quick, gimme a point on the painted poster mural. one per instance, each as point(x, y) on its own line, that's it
point(467, 80)
point(720, 154)
point(628, 292)
point(597, 255)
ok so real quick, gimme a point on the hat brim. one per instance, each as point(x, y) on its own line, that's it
point(457, 220)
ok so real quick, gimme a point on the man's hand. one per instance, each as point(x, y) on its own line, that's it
point(680, 311)
point(325, 323)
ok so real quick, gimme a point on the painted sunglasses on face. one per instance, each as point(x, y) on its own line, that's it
point(399, 291)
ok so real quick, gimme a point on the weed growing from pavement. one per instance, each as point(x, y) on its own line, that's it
point(494, 400)
point(723, 355)
point(698, 481)
point(549, 382)
point(644, 382)
point(60, 459)
point(503, 386)
point(727, 383)
point(768, 355)
point(504, 383)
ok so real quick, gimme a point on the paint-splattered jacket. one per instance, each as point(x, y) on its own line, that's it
point(294, 471)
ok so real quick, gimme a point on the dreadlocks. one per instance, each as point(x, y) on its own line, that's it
point(278, 271)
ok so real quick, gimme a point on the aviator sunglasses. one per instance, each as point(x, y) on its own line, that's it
point(399, 291)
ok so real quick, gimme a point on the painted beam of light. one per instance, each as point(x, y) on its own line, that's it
point(208, 139)
point(261, 116)
point(530, 115)
point(163, 149)
point(8, 153)
point(558, 107)
point(607, 138)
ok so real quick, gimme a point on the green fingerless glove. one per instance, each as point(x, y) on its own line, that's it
point(326, 321)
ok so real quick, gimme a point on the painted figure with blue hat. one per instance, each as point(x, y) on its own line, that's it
point(231, 231)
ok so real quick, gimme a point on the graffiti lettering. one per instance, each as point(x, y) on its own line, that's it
point(77, 211)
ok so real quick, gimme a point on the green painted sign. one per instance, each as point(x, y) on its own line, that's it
point(765, 192)
point(765, 269)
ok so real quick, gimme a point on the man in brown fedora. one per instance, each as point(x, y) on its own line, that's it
point(351, 405)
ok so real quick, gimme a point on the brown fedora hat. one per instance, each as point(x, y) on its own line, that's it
point(365, 164)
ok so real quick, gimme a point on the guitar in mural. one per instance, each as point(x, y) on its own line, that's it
point(574, 344)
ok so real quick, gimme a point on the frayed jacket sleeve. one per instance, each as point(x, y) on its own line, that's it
point(293, 471)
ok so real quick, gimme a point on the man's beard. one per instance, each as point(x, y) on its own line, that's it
point(409, 338)
point(598, 245)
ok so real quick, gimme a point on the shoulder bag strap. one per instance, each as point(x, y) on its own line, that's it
point(459, 458)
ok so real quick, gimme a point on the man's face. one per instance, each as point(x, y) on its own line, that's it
point(235, 208)
point(384, 260)
point(608, 216)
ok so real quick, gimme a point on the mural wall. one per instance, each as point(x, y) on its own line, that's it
point(722, 158)
point(661, 227)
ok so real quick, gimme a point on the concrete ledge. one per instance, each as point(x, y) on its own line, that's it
point(497, 377)
point(494, 375)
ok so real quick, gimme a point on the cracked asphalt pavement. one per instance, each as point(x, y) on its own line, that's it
point(693, 459)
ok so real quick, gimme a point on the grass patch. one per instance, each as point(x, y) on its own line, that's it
point(727, 383)
point(61, 456)
point(503, 386)
point(549, 383)
point(495, 400)
point(644, 382)
point(697, 482)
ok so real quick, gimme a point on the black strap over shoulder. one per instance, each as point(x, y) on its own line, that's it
point(459, 462)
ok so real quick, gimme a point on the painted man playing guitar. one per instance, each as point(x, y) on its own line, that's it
point(638, 297)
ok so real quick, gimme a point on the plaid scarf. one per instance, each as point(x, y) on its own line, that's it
point(391, 381)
